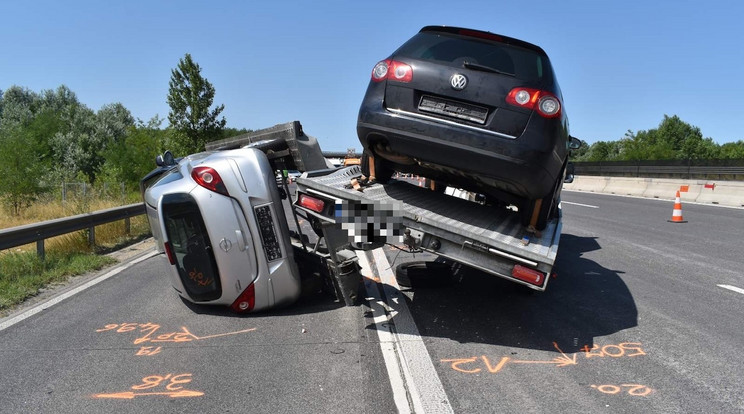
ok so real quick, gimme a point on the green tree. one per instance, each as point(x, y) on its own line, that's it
point(19, 105)
point(19, 168)
point(732, 150)
point(75, 146)
point(130, 159)
point(190, 97)
point(603, 151)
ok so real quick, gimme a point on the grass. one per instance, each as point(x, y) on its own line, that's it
point(23, 274)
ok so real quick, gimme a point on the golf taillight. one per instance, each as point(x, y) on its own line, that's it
point(545, 103)
point(531, 276)
point(246, 301)
point(169, 252)
point(315, 204)
point(392, 70)
point(208, 178)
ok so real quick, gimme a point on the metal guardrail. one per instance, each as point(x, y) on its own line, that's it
point(709, 169)
point(38, 232)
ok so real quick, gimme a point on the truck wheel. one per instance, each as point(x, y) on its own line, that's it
point(433, 273)
point(383, 170)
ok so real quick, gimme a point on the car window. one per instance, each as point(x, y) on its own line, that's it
point(454, 50)
point(189, 239)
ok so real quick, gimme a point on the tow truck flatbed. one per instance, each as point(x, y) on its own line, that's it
point(488, 238)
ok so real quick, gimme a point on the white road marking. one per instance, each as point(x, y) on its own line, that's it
point(579, 204)
point(57, 299)
point(410, 368)
point(733, 288)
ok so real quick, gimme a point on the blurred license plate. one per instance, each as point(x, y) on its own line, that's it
point(453, 109)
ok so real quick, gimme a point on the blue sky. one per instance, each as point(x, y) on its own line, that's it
point(621, 65)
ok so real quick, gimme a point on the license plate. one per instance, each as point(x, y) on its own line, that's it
point(453, 109)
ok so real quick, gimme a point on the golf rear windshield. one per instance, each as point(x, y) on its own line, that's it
point(455, 50)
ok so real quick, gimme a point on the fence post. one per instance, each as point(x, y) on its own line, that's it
point(127, 226)
point(92, 236)
point(40, 249)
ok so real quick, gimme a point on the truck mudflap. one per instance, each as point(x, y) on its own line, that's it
point(488, 238)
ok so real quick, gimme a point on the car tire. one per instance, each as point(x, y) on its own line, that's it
point(421, 274)
point(383, 170)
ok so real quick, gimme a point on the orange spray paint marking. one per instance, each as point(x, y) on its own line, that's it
point(149, 350)
point(625, 349)
point(171, 384)
point(128, 395)
point(498, 366)
point(636, 390)
point(457, 362)
point(150, 329)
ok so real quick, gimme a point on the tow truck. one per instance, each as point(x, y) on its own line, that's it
point(345, 214)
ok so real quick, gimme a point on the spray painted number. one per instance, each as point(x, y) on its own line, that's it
point(156, 385)
point(625, 349)
point(635, 390)
point(156, 380)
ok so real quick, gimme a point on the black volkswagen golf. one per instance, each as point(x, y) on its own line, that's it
point(472, 109)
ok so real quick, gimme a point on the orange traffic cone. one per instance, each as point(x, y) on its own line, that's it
point(677, 213)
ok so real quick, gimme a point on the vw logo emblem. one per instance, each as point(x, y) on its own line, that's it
point(225, 245)
point(458, 82)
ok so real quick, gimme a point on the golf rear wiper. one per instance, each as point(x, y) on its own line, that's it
point(485, 68)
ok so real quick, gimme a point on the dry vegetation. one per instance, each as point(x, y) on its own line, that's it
point(23, 273)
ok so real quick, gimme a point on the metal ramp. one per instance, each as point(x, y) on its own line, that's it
point(456, 220)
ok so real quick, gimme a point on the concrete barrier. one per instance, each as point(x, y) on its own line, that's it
point(587, 183)
point(663, 188)
point(726, 193)
point(690, 191)
point(626, 186)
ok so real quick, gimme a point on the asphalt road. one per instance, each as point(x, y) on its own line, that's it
point(635, 321)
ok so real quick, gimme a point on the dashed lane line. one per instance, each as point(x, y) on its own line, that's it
point(579, 204)
point(732, 288)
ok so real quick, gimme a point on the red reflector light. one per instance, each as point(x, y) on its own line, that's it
point(311, 203)
point(528, 275)
point(545, 103)
point(246, 301)
point(481, 35)
point(208, 178)
point(392, 70)
point(169, 253)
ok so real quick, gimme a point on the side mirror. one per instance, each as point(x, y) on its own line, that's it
point(574, 143)
point(168, 158)
point(165, 160)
